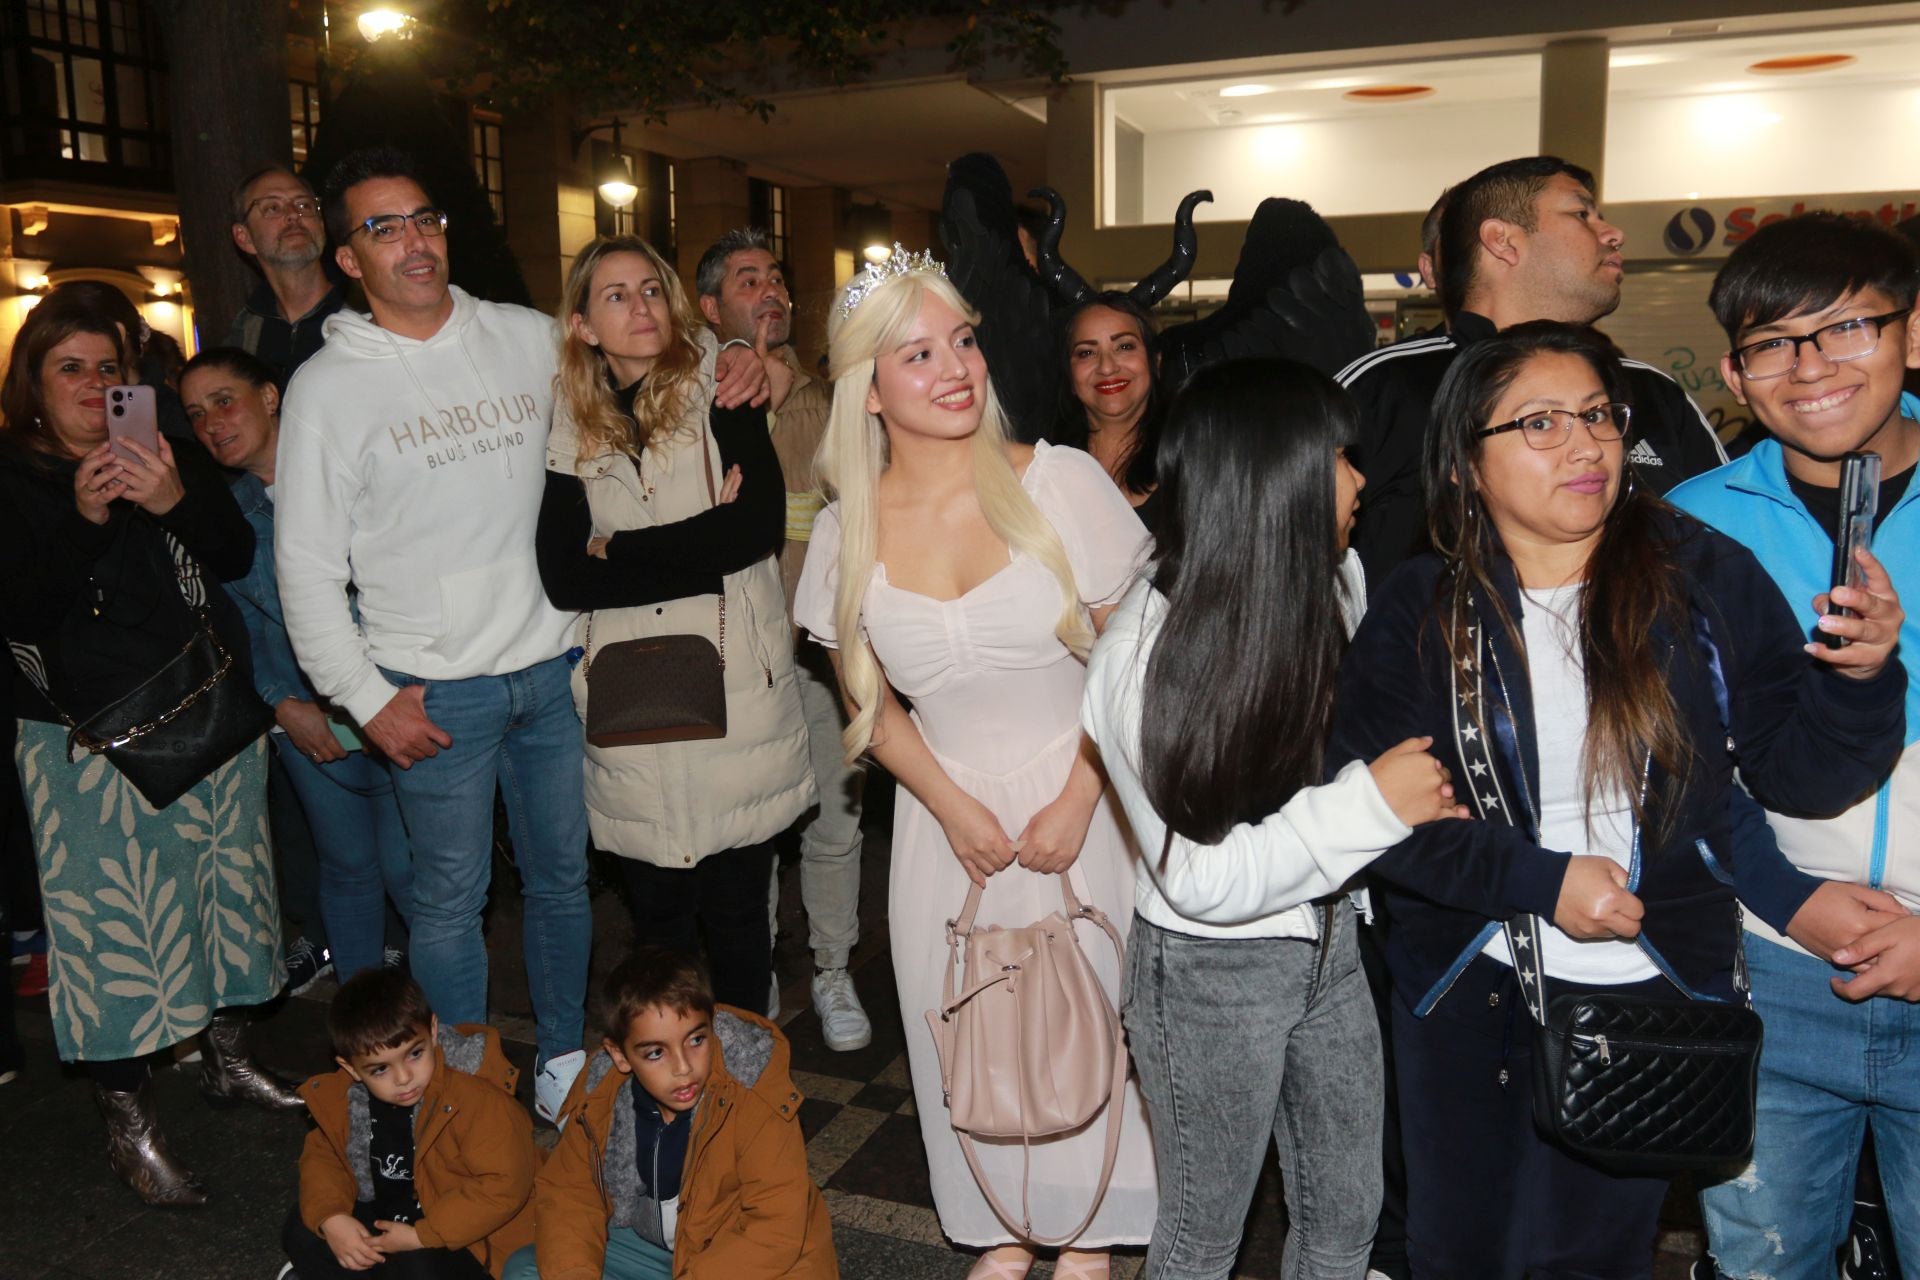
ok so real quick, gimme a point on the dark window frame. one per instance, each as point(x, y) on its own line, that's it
point(119, 36)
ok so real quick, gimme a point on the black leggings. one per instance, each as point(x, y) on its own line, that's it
point(723, 896)
point(313, 1260)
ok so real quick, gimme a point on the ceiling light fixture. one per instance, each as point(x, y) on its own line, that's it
point(1245, 90)
point(1390, 93)
point(1800, 64)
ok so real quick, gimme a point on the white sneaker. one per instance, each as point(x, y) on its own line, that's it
point(553, 1082)
point(842, 1021)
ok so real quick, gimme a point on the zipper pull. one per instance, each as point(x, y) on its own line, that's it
point(1606, 1054)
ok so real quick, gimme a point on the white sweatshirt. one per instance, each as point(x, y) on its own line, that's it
point(1260, 881)
point(414, 469)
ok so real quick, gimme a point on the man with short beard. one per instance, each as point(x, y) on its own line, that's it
point(1520, 240)
point(276, 222)
point(743, 294)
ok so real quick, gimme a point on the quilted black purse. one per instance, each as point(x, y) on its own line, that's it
point(1635, 1085)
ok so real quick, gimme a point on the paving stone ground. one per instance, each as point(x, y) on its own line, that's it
point(63, 1216)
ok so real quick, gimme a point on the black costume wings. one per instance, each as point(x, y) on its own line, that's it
point(1296, 293)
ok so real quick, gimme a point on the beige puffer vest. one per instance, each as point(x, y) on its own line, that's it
point(674, 803)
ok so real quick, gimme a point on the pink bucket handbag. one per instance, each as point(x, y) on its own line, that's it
point(1032, 1047)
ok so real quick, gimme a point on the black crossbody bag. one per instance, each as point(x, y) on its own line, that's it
point(1636, 1085)
point(179, 724)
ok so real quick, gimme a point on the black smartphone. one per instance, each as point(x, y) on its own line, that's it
point(1859, 504)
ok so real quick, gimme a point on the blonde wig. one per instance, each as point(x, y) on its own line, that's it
point(853, 453)
point(585, 383)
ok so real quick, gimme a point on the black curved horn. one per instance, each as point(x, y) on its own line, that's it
point(1065, 282)
point(1179, 265)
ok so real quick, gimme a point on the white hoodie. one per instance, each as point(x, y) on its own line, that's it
point(1260, 881)
point(414, 469)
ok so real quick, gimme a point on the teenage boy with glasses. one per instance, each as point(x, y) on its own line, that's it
point(1818, 311)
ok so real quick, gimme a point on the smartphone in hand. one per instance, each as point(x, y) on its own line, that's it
point(131, 415)
point(1859, 504)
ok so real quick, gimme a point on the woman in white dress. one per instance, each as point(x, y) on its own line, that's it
point(970, 575)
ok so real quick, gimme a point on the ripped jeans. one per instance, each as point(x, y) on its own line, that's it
point(1828, 1068)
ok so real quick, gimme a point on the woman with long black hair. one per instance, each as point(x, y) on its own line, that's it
point(1593, 665)
point(1211, 697)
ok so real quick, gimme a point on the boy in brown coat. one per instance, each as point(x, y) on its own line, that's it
point(420, 1164)
point(682, 1155)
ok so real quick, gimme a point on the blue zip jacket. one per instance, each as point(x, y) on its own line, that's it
point(1807, 742)
point(1751, 501)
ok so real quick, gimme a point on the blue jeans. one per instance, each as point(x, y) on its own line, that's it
point(519, 732)
point(1828, 1068)
point(361, 846)
point(629, 1257)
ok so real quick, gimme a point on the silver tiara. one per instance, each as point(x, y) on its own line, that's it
point(897, 263)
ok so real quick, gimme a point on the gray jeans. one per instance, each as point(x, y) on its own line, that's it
point(830, 834)
point(1238, 1038)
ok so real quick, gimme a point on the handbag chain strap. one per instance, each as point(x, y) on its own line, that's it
point(186, 576)
point(94, 746)
point(706, 459)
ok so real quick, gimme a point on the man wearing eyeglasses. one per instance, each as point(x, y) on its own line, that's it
point(1820, 322)
point(1520, 240)
point(276, 223)
point(412, 462)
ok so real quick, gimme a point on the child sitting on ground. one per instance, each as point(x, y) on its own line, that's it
point(682, 1154)
point(420, 1164)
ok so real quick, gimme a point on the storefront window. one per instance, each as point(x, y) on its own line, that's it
point(1777, 115)
point(1353, 140)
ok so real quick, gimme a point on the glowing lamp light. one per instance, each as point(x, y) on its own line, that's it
point(1245, 90)
point(619, 192)
point(876, 252)
point(33, 284)
point(376, 24)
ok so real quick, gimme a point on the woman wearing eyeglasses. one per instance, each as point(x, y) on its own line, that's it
point(1561, 646)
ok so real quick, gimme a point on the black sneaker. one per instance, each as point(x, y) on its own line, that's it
point(306, 965)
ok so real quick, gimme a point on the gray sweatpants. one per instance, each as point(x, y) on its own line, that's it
point(1238, 1038)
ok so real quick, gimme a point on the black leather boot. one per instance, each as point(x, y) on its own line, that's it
point(231, 1075)
point(138, 1151)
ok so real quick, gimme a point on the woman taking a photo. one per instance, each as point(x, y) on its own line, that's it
point(663, 515)
point(161, 924)
point(1244, 982)
point(233, 406)
point(1113, 375)
point(1582, 656)
point(971, 575)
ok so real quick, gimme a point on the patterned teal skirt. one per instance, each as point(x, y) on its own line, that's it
point(156, 919)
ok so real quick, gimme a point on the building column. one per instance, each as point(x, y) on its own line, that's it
point(710, 199)
point(818, 263)
point(913, 229)
point(1573, 104)
point(550, 199)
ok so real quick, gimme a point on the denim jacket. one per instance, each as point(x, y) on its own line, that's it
point(276, 675)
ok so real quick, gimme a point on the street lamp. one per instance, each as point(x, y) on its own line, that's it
point(616, 184)
point(375, 24)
